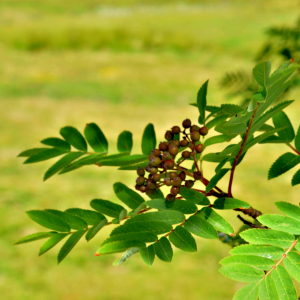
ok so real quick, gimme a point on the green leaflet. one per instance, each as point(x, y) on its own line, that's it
point(261, 73)
point(284, 284)
point(259, 262)
point(289, 209)
point(284, 163)
point(47, 153)
point(200, 227)
point(56, 142)
point(282, 120)
point(267, 251)
point(170, 217)
point(54, 240)
point(215, 220)
point(62, 163)
point(266, 236)
point(148, 254)
point(241, 272)
point(119, 246)
point(123, 159)
point(215, 179)
point(183, 240)
point(158, 194)
point(134, 212)
point(276, 77)
point(95, 229)
point(74, 222)
point(96, 138)
point(35, 237)
point(146, 237)
point(229, 203)
point(89, 216)
point(296, 178)
point(274, 140)
point(143, 164)
point(163, 249)
point(107, 208)
point(201, 101)
point(31, 152)
point(297, 140)
point(292, 264)
point(221, 165)
point(156, 227)
point(48, 220)
point(248, 292)
point(194, 196)
point(183, 206)
point(214, 157)
point(128, 196)
point(216, 121)
point(74, 138)
point(125, 142)
point(129, 253)
point(217, 139)
point(268, 289)
point(231, 129)
point(70, 244)
point(148, 139)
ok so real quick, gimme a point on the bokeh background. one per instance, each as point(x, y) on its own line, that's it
point(121, 64)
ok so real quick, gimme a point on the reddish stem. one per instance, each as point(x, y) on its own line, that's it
point(293, 148)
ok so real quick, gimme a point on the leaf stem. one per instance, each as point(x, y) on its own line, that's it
point(288, 144)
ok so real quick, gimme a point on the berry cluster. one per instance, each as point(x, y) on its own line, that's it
point(162, 168)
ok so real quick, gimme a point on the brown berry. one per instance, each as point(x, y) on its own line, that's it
point(150, 192)
point(163, 146)
point(167, 181)
point(153, 170)
point(143, 188)
point(173, 150)
point(172, 175)
point(175, 190)
point(154, 161)
point(156, 177)
point(189, 184)
point(170, 198)
point(182, 175)
point(151, 185)
point(137, 187)
point(177, 143)
point(199, 148)
point(156, 152)
point(140, 171)
point(140, 180)
point(148, 168)
point(194, 128)
point(186, 123)
point(169, 164)
point(195, 136)
point(166, 156)
point(176, 181)
point(186, 154)
point(184, 143)
point(203, 130)
point(197, 175)
point(176, 129)
point(169, 135)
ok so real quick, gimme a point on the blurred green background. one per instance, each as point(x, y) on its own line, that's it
point(121, 64)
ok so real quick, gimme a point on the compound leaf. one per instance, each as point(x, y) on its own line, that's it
point(74, 138)
point(268, 289)
point(89, 216)
point(148, 254)
point(163, 249)
point(194, 196)
point(57, 143)
point(52, 242)
point(248, 292)
point(201, 101)
point(148, 139)
point(289, 209)
point(95, 229)
point(259, 262)
point(107, 208)
point(125, 142)
point(35, 237)
point(292, 264)
point(183, 240)
point(282, 223)
point(296, 178)
point(47, 153)
point(119, 246)
point(282, 120)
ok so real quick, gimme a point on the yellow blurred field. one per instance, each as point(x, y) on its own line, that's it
point(148, 73)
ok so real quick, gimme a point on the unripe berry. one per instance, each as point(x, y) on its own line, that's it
point(140, 180)
point(195, 136)
point(182, 175)
point(176, 129)
point(173, 150)
point(175, 190)
point(184, 143)
point(199, 148)
point(176, 181)
point(150, 192)
point(148, 168)
point(170, 198)
point(151, 185)
point(177, 143)
point(167, 181)
point(163, 146)
point(156, 152)
point(143, 188)
point(153, 170)
point(194, 128)
point(197, 175)
point(172, 175)
point(169, 164)
point(156, 177)
point(203, 130)
point(154, 161)
point(186, 154)
point(189, 184)
point(169, 135)
point(166, 156)
point(186, 123)
point(140, 171)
